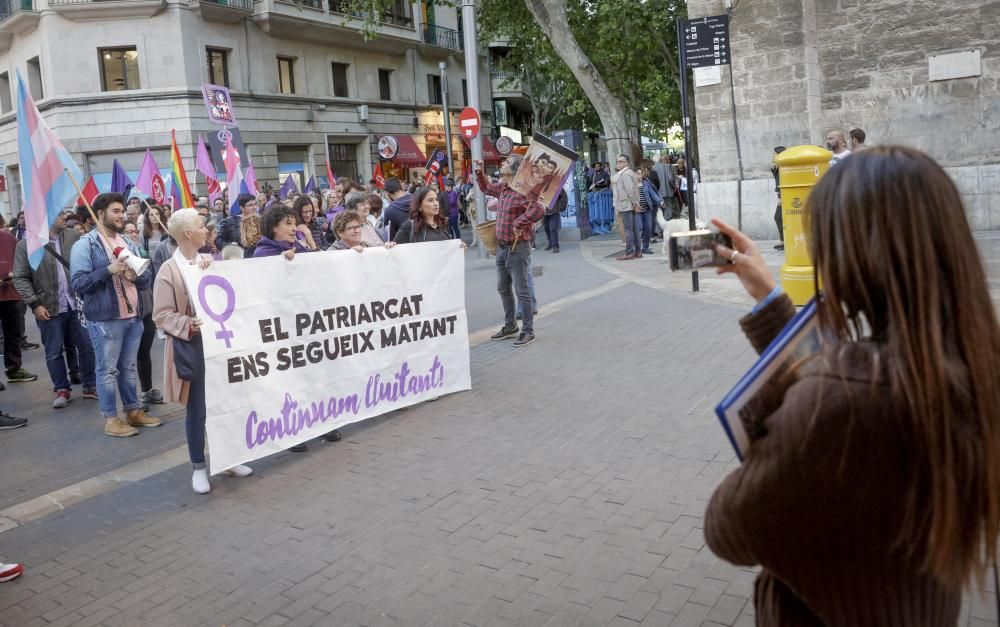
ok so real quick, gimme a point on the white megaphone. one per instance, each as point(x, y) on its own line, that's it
point(137, 264)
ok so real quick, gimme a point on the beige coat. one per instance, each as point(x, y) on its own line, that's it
point(625, 190)
point(173, 314)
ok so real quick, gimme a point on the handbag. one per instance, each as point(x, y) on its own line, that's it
point(189, 358)
point(189, 355)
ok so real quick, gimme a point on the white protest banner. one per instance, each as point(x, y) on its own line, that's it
point(295, 349)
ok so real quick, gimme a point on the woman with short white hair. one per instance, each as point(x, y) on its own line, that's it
point(172, 313)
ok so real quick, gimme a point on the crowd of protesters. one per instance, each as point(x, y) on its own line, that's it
point(100, 317)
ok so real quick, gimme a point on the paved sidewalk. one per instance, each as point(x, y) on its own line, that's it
point(62, 448)
point(577, 500)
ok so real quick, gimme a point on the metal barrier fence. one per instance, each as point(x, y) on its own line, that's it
point(601, 209)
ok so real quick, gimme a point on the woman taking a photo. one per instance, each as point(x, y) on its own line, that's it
point(426, 224)
point(870, 491)
point(173, 314)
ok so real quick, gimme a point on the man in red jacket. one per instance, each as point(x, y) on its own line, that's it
point(11, 313)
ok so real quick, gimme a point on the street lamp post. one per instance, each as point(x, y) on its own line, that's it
point(471, 34)
point(447, 116)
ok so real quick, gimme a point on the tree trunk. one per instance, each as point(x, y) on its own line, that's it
point(552, 18)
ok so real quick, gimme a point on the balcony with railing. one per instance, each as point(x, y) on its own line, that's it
point(324, 21)
point(509, 85)
point(222, 11)
point(91, 9)
point(16, 17)
point(443, 37)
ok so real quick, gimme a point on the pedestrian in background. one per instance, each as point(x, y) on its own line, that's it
point(778, 216)
point(682, 177)
point(452, 208)
point(175, 316)
point(144, 359)
point(625, 187)
point(308, 219)
point(649, 203)
point(870, 491)
point(48, 294)
point(553, 220)
point(111, 305)
point(857, 139)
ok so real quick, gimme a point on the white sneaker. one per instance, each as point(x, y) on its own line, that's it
point(10, 571)
point(239, 470)
point(199, 481)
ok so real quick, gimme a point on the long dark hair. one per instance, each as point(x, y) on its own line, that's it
point(300, 203)
point(416, 217)
point(148, 224)
point(899, 268)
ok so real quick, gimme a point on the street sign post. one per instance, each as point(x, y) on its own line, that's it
point(469, 122)
point(702, 42)
point(706, 41)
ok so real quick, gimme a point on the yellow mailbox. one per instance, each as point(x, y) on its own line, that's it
point(799, 168)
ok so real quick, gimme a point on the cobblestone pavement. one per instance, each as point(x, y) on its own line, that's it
point(566, 488)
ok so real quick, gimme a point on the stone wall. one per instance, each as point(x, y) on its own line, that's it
point(801, 67)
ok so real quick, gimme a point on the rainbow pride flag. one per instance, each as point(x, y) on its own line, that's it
point(180, 190)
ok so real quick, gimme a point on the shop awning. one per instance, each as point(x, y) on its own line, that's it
point(490, 154)
point(408, 156)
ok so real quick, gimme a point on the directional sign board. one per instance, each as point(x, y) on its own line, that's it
point(706, 41)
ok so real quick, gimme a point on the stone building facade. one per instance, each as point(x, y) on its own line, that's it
point(114, 77)
point(914, 72)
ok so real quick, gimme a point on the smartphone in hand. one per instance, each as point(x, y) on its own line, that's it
point(691, 250)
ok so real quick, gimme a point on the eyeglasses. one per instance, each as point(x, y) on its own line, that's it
point(353, 227)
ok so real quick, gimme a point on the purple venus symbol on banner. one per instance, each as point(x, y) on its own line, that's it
point(223, 333)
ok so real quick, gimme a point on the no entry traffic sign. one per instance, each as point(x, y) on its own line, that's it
point(469, 122)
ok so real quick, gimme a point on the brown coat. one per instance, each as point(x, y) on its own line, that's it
point(820, 498)
point(173, 314)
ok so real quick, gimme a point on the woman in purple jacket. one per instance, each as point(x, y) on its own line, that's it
point(279, 238)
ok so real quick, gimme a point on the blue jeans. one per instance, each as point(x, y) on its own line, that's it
point(513, 272)
point(647, 222)
point(453, 227)
point(531, 289)
point(65, 330)
point(631, 223)
point(116, 343)
point(194, 423)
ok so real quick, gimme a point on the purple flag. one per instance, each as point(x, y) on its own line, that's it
point(120, 181)
point(148, 170)
point(310, 186)
point(203, 162)
point(288, 187)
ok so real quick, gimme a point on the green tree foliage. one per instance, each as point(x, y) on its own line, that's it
point(631, 45)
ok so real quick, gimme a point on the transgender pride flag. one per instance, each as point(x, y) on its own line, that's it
point(235, 183)
point(45, 186)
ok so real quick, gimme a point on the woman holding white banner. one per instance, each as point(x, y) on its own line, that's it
point(173, 314)
point(279, 238)
point(349, 227)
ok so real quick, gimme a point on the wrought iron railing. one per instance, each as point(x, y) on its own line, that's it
point(443, 37)
point(246, 5)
